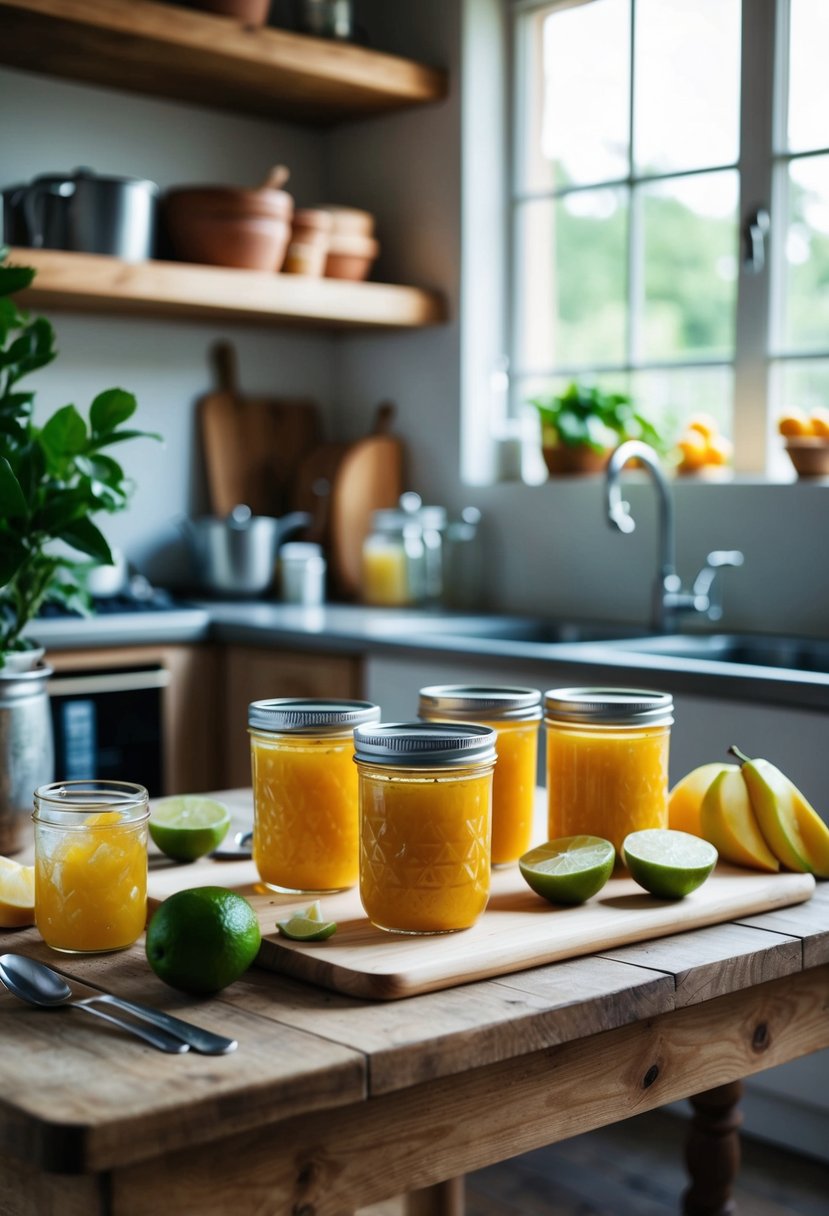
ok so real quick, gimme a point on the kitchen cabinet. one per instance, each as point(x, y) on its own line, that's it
point(172, 52)
point(254, 674)
point(189, 734)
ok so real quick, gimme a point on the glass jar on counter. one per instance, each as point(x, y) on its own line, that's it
point(393, 566)
point(425, 792)
point(305, 820)
point(607, 761)
point(90, 864)
point(514, 714)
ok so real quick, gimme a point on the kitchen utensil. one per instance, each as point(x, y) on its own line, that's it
point(236, 556)
point(369, 477)
point(224, 226)
point(252, 444)
point(87, 213)
point(40, 985)
point(25, 975)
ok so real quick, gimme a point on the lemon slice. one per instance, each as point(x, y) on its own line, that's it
point(668, 863)
point(568, 870)
point(307, 926)
point(189, 826)
point(17, 894)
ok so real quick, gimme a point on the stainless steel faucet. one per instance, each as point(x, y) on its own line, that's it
point(670, 600)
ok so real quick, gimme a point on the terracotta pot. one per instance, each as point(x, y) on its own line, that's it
point(809, 456)
point(310, 240)
point(349, 221)
point(350, 257)
point(574, 460)
point(222, 226)
point(249, 12)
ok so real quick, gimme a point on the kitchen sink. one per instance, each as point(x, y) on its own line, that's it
point(396, 624)
point(757, 650)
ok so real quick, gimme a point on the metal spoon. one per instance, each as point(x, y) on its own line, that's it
point(52, 990)
point(40, 985)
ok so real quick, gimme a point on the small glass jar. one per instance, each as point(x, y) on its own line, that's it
point(607, 761)
point(393, 562)
point(425, 824)
point(514, 715)
point(305, 819)
point(90, 864)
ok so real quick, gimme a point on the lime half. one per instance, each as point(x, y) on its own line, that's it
point(668, 863)
point(307, 926)
point(188, 827)
point(569, 870)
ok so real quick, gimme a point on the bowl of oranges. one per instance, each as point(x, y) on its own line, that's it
point(806, 439)
point(703, 451)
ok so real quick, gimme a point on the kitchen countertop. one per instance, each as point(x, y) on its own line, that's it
point(593, 652)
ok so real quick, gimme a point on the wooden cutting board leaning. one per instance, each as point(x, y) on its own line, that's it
point(252, 444)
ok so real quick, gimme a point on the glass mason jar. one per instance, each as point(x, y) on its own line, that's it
point(90, 864)
point(393, 561)
point(607, 761)
point(305, 820)
point(514, 715)
point(425, 822)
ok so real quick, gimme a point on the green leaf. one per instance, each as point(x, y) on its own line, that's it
point(12, 556)
point(64, 434)
point(84, 536)
point(101, 468)
point(110, 409)
point(13, 503)
point(15, 278)
point(121, 437)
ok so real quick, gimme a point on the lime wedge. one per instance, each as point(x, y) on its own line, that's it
point(189, 826)
point(568, 870)
point(303, 928)
point(314, 911)
point(668, 863)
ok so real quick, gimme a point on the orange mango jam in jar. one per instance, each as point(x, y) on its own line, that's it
point(607, 761)
point(305, 818)
point(425, 824)
point(514, 714)
point(90, 865)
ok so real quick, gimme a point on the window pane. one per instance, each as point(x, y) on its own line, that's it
point(670, 397)
point(571, 279)
point(805, 303)
point(690, 274)
point(808, 75)
point(687, 84)
point(583, 129)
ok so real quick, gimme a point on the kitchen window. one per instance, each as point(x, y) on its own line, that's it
point(668, 215)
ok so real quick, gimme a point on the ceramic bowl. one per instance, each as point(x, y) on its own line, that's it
point(222, 226)
point(810, 457)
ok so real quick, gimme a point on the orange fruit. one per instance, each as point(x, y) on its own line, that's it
point(820, 422)
point(794, 424)
point(705, 424)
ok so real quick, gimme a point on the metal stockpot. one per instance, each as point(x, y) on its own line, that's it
point(26, 746)
point(236, 556)
point(85, 213)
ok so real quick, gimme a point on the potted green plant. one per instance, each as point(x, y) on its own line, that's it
point(581, 426)
point(53, 478)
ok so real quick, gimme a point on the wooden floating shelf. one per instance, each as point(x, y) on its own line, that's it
point(167, 51)
point(88, 282)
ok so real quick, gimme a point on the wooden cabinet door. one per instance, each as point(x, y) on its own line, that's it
point(256, 674)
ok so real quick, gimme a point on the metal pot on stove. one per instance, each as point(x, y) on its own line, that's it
point(236, 556)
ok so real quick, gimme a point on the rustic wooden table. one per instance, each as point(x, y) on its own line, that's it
point(332, 1103)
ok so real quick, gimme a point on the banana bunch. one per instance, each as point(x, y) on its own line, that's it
point(753, 815)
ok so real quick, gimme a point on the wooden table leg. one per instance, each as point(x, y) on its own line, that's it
point(444, 1199)
point(712, 1151)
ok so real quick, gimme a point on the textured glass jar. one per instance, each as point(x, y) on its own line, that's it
point(305, 820)
point(425, 823)
point(90, 864)
point(607, 761)
point(514, 714)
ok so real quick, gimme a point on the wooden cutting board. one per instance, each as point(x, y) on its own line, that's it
point(251, 444)
point(517, 931)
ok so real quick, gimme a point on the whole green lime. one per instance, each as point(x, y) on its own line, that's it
point(202, 939)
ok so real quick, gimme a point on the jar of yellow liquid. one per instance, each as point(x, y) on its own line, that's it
point(393, 561)
point(305, 819)
point(425, 821)
point(514, 714)
point(607, 761)
point(90, 864)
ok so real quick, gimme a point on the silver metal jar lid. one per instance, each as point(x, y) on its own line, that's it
point(609, 706)
point(308, 715)
point(495, 702)
point(424, 744)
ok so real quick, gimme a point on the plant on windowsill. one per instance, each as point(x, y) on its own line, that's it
point(581, 426)
point(53, 477)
